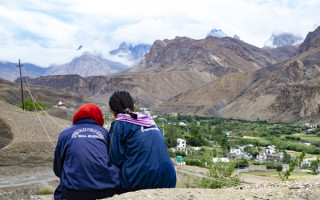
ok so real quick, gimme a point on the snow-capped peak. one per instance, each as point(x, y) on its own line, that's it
point(217, 33)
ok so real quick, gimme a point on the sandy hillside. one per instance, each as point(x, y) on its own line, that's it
point(25, 146)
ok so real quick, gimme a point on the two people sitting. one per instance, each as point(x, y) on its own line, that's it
point(93, 163)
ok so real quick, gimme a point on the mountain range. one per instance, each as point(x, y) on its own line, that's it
point(286, 91)
point(85, 65)
point(172, 67)
point(215, 76)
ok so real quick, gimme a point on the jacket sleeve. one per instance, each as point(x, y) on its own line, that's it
point(59, 156)
point(116, 149)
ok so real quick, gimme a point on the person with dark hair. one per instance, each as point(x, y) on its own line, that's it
point(138, 148)
point(81, 159)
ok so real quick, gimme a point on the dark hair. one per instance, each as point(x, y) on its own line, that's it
point(122, 102)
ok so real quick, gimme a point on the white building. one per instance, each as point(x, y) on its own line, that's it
point(311, 125)
point(182, 123)
point(181, 144)
point(228, 133)
point(305, 162)
point(220, 160)
point(238, 153)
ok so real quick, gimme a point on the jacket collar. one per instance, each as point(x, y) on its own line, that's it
point(86, 121)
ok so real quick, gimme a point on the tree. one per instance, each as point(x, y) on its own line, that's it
point(171, 136)
point(220, 174)
point(286, 158)
point(314, 166)
point(296, 162)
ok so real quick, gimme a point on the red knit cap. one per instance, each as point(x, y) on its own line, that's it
point(89, 111)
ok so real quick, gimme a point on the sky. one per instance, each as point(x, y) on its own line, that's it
point(48, 32)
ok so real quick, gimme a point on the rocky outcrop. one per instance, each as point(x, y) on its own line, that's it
point(312, 40)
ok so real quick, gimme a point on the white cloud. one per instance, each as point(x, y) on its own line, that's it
point(47, 32)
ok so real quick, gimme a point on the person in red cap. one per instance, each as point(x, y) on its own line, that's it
point(81, 158)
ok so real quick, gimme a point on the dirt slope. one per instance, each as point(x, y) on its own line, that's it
point(30, 149)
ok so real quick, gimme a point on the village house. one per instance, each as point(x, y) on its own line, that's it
point(270, 153)
point(305, 143)
point(216, 159)
point(305, 162)
point(181, 146)
point(182, 123)
point(238, 153)
point(228, 133)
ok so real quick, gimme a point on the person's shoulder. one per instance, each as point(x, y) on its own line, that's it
point(123, 126)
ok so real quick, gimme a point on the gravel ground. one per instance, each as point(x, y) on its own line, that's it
point(298, 189)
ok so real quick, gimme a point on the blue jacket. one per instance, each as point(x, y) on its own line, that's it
point(81, 158)
point(142, 155)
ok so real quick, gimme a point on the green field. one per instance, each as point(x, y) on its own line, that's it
point(274, 174)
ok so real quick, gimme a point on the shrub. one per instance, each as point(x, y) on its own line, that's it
point(274, 165)
point(46, 190)
point(256, 163)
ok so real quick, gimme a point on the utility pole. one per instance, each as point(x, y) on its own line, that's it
point(21, 84)
point(162, 120)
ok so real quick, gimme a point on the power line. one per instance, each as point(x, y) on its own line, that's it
point(34, 102)
point(33, 99)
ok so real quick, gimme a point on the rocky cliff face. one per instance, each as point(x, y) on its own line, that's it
point(312, 40)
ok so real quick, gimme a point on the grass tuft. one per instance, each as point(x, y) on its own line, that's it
point(46, 190)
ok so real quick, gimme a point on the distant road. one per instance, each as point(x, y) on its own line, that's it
point(25, 180)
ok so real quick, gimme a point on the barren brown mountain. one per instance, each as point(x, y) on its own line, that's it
point(172, 67)
point(211, 98)
point(288, 91)
point(217, 56)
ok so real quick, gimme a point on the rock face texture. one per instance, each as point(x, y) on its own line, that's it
point(312, 40)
